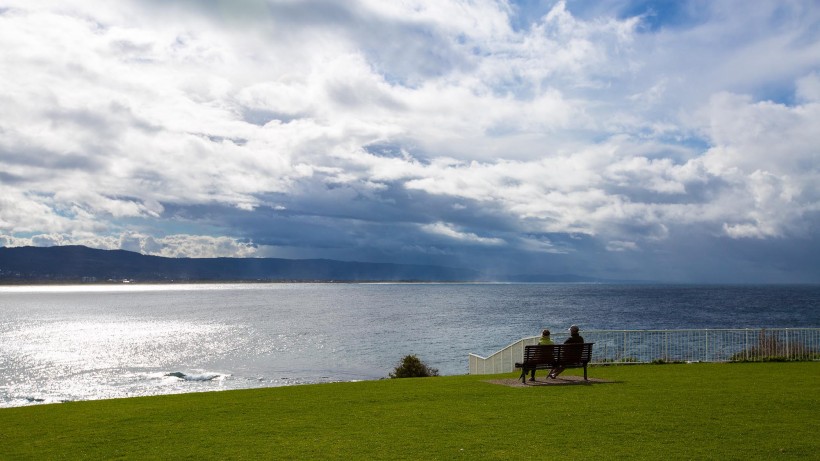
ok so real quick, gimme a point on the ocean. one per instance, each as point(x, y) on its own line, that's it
point(66, 343)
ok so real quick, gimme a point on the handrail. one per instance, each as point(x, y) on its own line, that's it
point(685, 345)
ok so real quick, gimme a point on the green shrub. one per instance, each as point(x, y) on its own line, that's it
point(665, 361)
point(412, 367)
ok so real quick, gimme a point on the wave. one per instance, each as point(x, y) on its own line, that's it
point(25, 401)
point(195, 377)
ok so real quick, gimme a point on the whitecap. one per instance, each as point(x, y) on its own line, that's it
point(206, 376)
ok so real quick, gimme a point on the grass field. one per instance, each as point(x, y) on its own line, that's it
point(697, 411)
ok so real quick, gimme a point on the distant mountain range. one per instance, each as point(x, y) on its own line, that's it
point(77, 264)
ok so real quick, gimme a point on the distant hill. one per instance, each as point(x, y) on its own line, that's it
point(83, 264)
point(78, 264)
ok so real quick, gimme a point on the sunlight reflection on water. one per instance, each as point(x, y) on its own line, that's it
point(100, 344)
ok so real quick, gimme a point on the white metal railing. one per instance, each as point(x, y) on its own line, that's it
point(644, 346)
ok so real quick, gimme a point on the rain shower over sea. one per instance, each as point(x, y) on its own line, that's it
point(66, 343)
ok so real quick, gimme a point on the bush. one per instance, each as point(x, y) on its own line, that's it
point(412, 367)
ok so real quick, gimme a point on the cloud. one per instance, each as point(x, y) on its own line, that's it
point(174, 246)
point(620, 245)
point(557, 133)
point(448, 231)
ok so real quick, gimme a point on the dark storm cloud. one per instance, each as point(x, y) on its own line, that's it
point(351, 221)
point(697, 256)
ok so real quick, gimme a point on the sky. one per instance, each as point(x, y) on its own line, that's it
point(672, 141)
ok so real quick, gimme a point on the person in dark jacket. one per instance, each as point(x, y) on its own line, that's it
point(574, 337)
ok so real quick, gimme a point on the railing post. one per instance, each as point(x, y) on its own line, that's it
point(788, 349)
point(706, 359)
point(623, 356)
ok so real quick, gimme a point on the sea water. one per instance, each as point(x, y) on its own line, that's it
point(64, 343)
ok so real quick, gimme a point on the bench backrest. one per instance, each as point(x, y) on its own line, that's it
point(565, 354)
point(539, 353)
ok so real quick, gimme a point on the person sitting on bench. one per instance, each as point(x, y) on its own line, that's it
point(543, 341)
point(573, 338)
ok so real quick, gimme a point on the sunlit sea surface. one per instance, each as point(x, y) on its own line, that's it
point(70, 343)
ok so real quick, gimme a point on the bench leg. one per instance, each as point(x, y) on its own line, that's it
point(523, 375)
point(585, 372)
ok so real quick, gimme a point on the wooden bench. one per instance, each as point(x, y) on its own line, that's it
point(542, 357)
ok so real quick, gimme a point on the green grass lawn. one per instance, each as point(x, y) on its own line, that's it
point(698, 411)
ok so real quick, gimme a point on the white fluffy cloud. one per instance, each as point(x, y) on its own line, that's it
point(190, 127)
point(179, 245)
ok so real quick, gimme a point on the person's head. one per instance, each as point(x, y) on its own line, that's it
point(573, 330)
point(545, 333)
